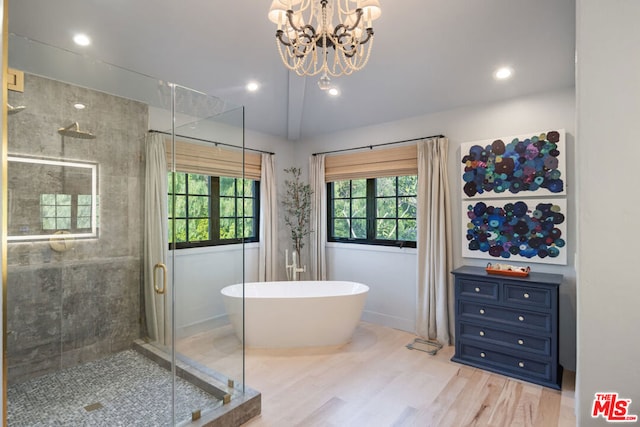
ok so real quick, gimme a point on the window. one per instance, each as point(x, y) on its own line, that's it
point(83, 219)
point(66, 212)
point(380, 211)
point(55, 211)
point(211, 210)
point(396, 208)
point(348, 211)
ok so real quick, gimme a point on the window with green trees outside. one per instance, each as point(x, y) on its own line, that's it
point(379, 211)
point(210, 210)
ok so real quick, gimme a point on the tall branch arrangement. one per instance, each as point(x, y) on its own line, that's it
point(297, 208)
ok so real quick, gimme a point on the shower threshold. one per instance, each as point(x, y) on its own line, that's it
point(240, 403)
point(132, 388)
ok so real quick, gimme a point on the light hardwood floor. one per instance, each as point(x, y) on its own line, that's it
point(376, 381)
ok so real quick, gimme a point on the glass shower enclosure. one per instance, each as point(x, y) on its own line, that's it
point(110, 320)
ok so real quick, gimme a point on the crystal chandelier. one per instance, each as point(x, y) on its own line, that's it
point(310, 44)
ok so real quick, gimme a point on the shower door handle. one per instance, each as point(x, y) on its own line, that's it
point(163, 267)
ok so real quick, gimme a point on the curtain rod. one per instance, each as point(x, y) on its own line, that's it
point(378, 145)
point(206, 140)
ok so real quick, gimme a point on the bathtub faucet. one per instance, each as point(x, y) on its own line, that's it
point(293, 269)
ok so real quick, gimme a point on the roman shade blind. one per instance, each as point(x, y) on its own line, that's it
point(396, 161)
point(213, 161)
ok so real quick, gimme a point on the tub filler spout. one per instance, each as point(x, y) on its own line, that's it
point(293, 269)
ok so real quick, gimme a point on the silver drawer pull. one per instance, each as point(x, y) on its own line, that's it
point(521, 342)
point(521, 364)
point(481, 333)
point(521, 318)
point(526, 295)
point(482, 311)
point(477, 289)
point(482, 354)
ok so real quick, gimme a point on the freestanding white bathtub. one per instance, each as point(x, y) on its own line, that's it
point(295, 314)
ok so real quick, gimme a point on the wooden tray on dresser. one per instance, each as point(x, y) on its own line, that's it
point(512, 273)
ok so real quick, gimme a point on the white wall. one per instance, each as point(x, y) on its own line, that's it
point(608, 111)
point(200, 275)
point(392, 273)
point(284, 151)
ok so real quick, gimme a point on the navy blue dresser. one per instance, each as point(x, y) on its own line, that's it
point(508, 325)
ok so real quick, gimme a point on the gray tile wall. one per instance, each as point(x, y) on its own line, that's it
point(65, 308)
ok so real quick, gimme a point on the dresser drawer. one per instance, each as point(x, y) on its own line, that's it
point(478, 289)
point(516, 341)
point(521, 366)
point(527, 296)
point(474, 311)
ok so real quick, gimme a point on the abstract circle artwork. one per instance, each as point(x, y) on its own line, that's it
point(514, 166)
point(519, 230)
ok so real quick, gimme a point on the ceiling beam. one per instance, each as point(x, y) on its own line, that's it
point(294, 106)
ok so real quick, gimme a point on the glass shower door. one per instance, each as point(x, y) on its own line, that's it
point(199, 139)
point(207, 224)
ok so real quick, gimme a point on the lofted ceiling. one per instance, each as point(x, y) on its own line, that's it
point(428, 55)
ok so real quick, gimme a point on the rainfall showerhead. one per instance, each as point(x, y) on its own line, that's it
point(73, 130)
point(14, 110)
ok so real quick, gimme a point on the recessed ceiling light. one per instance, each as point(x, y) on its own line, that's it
point(79, 106)
point(253, 86)
point(82, 40)
point(503, 73)
point(334, 91)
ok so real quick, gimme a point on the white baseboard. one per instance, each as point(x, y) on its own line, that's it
point(202, 326)
point(402, 324)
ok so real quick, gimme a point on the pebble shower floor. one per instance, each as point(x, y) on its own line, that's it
point(125, 389)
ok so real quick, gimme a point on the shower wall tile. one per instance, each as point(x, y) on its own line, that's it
point(34, 303)
point(101, 295)
point(135, 216)
point(100, 305)
point(18, 371)
point(84, 316)
point(85, 303)
point(87, 353)
point(114, 200)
